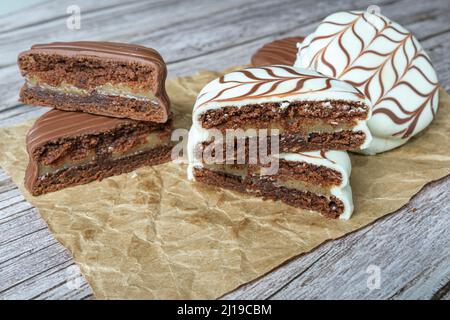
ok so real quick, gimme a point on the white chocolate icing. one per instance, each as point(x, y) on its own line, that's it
point(386, 62)
point(280, 84)
point(336, 160)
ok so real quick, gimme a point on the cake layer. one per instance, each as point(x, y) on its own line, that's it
point(71, 148)
point(342, 140)
point(329, 206)
point(120, 106)
point(294, 117)
point(293, 100)
point(103, 69)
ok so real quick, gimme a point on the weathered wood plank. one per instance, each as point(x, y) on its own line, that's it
point(33, 265)
point(29, 267)
point(26, 225)
point(123, 23)
point(57, 282)
point(48, 11)
point(258, 19)
point(63, 292)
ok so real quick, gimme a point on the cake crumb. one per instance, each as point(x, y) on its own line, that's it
point(133, 175)
point(284, 104)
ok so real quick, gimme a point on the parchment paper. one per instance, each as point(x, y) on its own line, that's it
point(151, 234)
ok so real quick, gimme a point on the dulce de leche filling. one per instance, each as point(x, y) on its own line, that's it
point(307, 181)
point(297, 116)
point(109, 89)
point(98, 152)
point(302, 126)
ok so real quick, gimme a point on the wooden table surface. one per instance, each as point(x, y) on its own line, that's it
point(410, 252)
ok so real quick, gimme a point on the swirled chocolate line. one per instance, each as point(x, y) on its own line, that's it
point(276, 81)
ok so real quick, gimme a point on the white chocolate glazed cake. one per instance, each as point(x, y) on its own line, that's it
point(317, 180)
point(310, 111)
point(386, 62)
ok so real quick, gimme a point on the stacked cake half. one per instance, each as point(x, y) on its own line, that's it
point(282, 133)
point(110, 112)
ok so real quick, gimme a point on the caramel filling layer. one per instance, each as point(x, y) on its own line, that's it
point(298, 126)
point(109, 89)
point(152, 141)
point(244, 172)
point(303, 186)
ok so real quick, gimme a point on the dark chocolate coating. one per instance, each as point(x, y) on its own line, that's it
point(282, 51)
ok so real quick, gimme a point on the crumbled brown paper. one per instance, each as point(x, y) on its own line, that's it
point(151, 234)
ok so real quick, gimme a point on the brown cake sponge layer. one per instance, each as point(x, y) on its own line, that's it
point(301, 171)
point(101, 145)
point(314, 174)
point(329, 207)
point(288, 142)
point(97, 171)
point(86, 72)
point(290, 118)
point(341, 140)
point(95, 103)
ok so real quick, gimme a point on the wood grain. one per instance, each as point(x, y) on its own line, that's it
point(411, 249)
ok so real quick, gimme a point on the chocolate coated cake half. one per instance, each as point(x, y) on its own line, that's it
point(72, 148)
point(281, 51)
point(307, 110)
point(104, 78)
